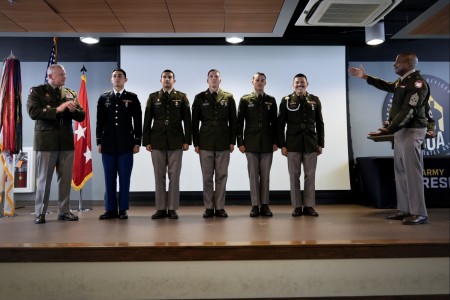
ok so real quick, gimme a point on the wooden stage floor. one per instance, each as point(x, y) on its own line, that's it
point(341, 231)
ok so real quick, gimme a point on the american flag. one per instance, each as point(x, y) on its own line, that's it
point(53, 58)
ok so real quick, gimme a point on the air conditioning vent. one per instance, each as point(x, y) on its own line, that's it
point(345, 12)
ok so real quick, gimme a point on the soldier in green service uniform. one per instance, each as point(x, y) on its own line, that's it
point(214, 141)
point(302, 142)
point(258, 141)
point(53, 107)
point(409, 120)
point(166, 139)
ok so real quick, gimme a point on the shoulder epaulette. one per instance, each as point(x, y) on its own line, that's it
point(131, 93)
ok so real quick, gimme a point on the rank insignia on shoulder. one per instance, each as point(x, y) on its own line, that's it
point(286, 98)
point(418, 84)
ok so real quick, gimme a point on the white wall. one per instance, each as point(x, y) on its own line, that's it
point(326, 72)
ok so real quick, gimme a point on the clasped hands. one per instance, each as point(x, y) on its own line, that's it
point(70, 105)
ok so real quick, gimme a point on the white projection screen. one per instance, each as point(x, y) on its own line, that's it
point(324, 66)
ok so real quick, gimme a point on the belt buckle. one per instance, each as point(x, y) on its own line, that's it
point(166, 122)
point(260, 125)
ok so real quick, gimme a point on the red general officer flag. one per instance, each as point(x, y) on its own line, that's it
point(82, 164)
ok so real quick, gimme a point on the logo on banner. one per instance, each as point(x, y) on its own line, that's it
point(440, 108)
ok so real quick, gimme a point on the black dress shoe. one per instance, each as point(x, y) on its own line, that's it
point(254, 212)
point(398, 215)
point(297, 212)
point(209, 213)
point(123, 214)
point(221, 213)
point(110, 214)
point(68, 216)
point(172, 214)
point(265, 211)
point(309, 211)
point(415, 220)
point(159, 214)
point(40, 219)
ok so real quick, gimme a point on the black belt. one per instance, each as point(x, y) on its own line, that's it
point(215, 123)
point(302, 126)
point(161, 122)
point(257, 125)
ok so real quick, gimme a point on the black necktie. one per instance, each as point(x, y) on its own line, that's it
point(260, 96)
point(58, 93)
point(214, 95)
point(167, 95)
point(118, 95)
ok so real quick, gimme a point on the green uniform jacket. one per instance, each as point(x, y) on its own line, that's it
point(260, 118)
point(409, 103)
point(52, 131)
point(305, 128)
point(218, 121)
point(171, 118)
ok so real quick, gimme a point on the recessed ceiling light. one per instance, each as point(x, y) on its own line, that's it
point(234, 39)
point(89, 40)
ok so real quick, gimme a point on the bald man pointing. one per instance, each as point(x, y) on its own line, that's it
point(408, 122)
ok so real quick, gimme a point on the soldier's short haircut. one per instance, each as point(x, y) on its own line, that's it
point(259, 73)
point(411, 58)
point(300, 75)
point(120, 70)
point(53, 67)
point(168, 71)
point(213, 70)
